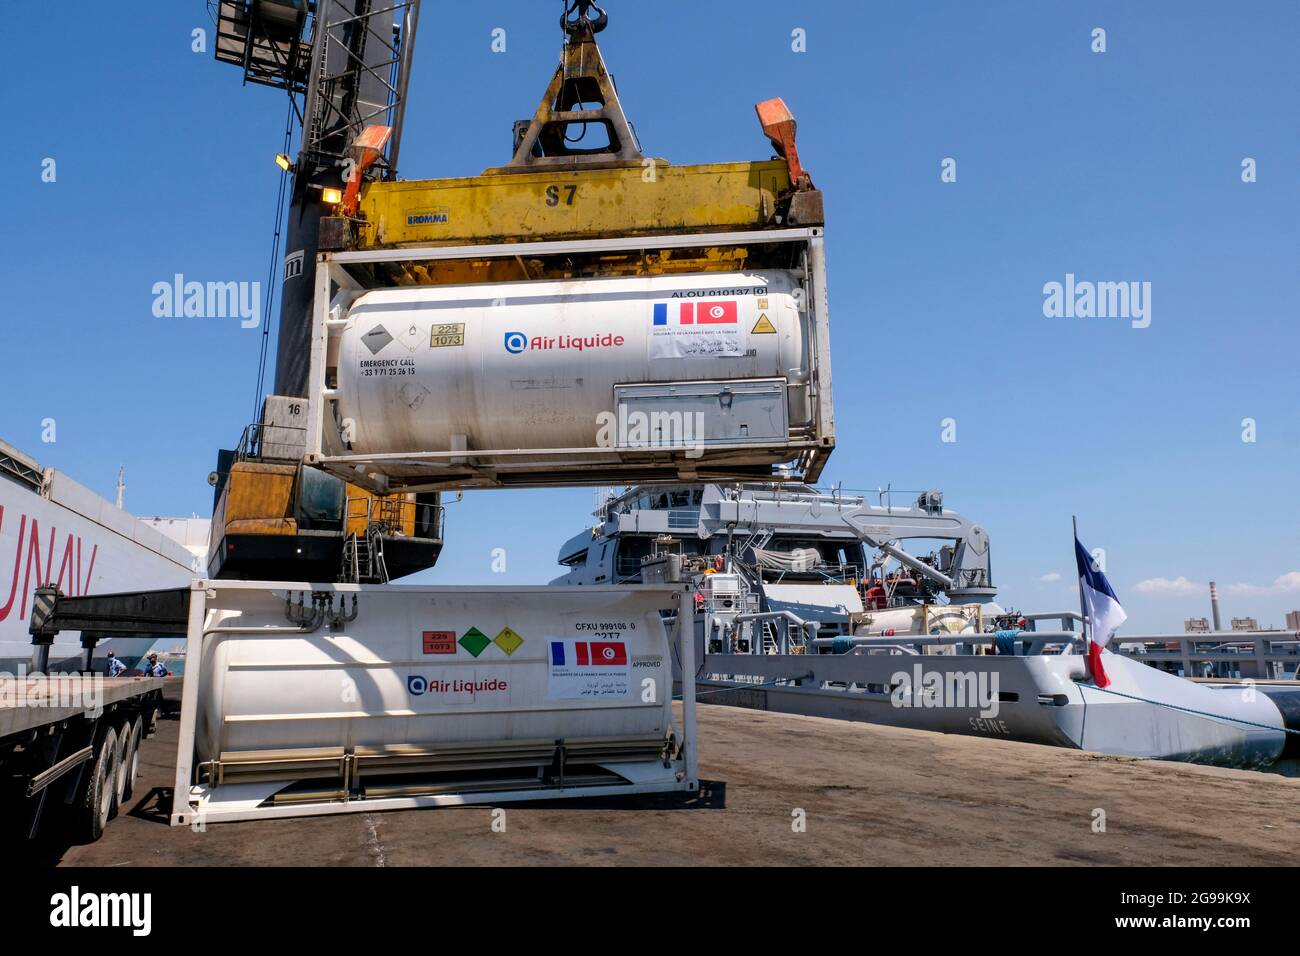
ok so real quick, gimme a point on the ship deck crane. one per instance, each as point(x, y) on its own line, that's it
point(963, 571)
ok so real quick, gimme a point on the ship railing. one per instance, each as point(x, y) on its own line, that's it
point(815, 496)
point(884, 496)
point(773, 632)
point(1241, 655)
point(261, 442)
point(1259, 655)
point(392, 515)
point(1266, 655)
point(1066, 619)
point(1032, 643)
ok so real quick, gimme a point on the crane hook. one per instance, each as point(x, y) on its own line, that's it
point(581, 7)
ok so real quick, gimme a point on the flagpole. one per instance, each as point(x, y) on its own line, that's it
point(1083, 612)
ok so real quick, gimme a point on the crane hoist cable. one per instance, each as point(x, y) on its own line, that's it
point(271, 268)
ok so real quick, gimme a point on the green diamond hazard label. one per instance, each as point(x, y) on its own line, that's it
point(508, 641)
point(474, 641)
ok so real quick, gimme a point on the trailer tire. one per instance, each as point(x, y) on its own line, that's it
point(130, 769)
point(97, 808)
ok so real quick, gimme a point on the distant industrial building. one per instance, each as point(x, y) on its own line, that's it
point(1293, 620)
point(1245, 624)
point(1197, 625)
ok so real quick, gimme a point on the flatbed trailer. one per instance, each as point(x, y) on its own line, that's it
point(71, 742)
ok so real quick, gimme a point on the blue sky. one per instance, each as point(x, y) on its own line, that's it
point(1115, 166)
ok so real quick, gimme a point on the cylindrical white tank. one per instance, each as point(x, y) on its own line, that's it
point(526, 365)
point(940, 620)
point(425, 666)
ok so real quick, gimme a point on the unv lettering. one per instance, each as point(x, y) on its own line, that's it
point(29, 533)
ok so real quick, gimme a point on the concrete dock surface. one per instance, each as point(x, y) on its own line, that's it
point(866, 795)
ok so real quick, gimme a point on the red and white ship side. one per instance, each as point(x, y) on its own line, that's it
point(54, 530)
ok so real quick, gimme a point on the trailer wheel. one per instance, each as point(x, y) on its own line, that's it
point(98, 804)
point(130, 768)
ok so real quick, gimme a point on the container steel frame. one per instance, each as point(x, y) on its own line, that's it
point(566, 466)
point(193, 804)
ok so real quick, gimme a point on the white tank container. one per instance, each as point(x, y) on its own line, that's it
point(423, 666)
point(535, 364)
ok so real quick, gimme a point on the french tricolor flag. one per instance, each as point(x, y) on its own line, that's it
point(1101, 608)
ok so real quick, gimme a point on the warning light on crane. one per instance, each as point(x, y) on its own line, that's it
point(284, 162)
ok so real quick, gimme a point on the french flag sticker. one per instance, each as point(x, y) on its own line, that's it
point(557, 653)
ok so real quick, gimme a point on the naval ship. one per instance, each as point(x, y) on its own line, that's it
point(56, 531)
point(808, 602)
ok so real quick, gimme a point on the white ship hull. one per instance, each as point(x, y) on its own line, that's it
point(1034, 699)
point(53, 530)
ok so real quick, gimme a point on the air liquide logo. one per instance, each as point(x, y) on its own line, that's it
point(517, 342)
point(75, 908)
point(464, 690)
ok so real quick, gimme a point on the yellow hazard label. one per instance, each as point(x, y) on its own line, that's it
point(508, 641)
point(447, 335)
point(763, 326)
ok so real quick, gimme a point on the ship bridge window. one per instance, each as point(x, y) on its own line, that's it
point(628, 557)
point(664, 500)
point(632, 550)
point(576, 559)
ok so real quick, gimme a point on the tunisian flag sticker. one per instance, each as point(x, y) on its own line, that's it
point(601, 654)
point(716, 313)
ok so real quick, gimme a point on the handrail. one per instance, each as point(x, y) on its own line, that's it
point(809, 627)
point(392, 513)
point(252, 442)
